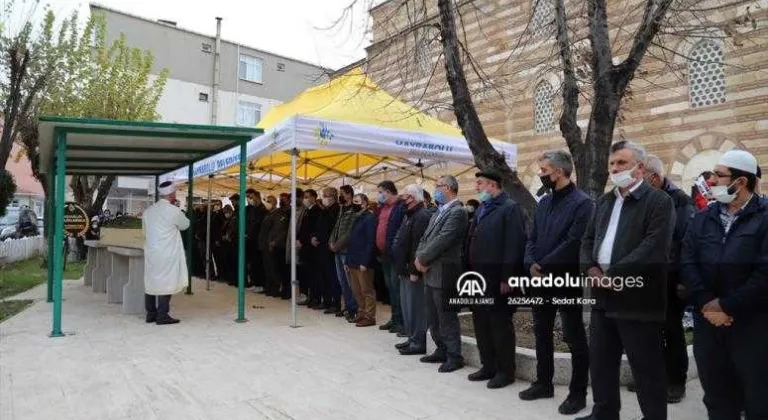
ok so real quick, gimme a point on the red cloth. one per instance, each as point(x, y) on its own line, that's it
point(381, 227)
point(701, 202)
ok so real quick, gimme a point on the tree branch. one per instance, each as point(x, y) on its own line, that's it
point(653, 16)
point(568, 120)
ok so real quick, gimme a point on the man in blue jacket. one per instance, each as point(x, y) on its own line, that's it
point(725, 270)
point(553, 249)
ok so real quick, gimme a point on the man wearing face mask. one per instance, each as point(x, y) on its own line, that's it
point(625, 253)
point(495, 249)
point(312, 278)
point(675, 348)
point(553, 249)
point(271, 276)
point(271, 203)
point(471, 207)
point(412, 280)
point(338, 244)
point(325, 259)
point(389, 216)
point(725, 270)
point(278, 238)
point(438, 258)
point(217, 252)
point(254, 216)
point(229, 243)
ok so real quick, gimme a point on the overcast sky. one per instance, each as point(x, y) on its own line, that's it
point(292, 28)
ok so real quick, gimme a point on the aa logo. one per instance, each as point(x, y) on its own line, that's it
point(471, 283)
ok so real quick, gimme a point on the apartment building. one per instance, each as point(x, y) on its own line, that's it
point(211, 80)
point(692, 99)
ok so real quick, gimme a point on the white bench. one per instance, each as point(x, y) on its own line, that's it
point(99, 266)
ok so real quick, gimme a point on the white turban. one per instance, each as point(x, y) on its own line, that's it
point(739, 159)
point(166, 188)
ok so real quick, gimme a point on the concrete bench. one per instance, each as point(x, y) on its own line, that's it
point(99, 266)
point(128, 272)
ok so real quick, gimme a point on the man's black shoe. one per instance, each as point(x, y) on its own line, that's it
point(481, 375)
point(536, 392)
point(403, 345)
point(402, 335)
point(151, 318)
point(285, 297)
point(450, 366)
point(410, 351)
point(322, 307)
point(572, 405)
point(589, 417)
point(433, 358)
point(386, 326)
point(340, 313)
point(167, 321)
point(675, 393)
point(331, 310)
point(500, 381)
point(395, 329)
point(352, 318)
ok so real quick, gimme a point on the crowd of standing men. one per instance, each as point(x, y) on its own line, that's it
point(715, 259)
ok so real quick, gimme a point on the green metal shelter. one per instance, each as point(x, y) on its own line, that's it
point(80, 146)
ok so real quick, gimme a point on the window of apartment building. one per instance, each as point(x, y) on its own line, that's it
point(543, 108)
point(248, 113)
point(251, 68)
point(542, 18)
point(424, 49)
point(706, 74)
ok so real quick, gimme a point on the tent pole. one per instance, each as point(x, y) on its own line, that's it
point(241, 237)
point(49, 216)
point(191, 228)
point(208, 237)
point(294, 283)
point(58, 230)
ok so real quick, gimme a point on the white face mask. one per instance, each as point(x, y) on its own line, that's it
point(623, 179)
point(268, 206)
point(720, 192)
point(327, 201)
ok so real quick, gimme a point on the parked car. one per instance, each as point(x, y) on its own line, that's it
point(20, 223)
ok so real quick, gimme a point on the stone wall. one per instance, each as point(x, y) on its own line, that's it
point(519, 58)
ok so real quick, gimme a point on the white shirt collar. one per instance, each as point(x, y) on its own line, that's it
point(448, 204)
point(631, 189)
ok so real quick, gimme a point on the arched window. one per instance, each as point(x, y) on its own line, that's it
point(706, 74)
point(543, 17)
point(543, 108)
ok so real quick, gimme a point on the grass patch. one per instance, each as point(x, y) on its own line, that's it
point(9, 308)
point(21, 276)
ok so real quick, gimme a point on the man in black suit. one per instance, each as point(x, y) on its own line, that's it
point(254, 216)
point(308, 255)
point(625, 252)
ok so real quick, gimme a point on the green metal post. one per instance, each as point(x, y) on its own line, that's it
point(157, 182)
point(49, 214)
point(58, 230)
point(190, 237)
point(241, 238)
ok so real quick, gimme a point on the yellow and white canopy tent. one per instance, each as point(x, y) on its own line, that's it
point(342, 130)
point(346, 129)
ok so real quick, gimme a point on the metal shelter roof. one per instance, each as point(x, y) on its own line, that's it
point(113, 147)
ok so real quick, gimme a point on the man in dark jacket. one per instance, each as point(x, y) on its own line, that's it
point(411, 280)
point(495, 248)
point(625, 252)
point(553, 250)
point(312, 271)
point(217, 253)
point(389, 217)
point(271, 274)
point(359, 262)
point(725, 271)
point(325, 260)
point(675, 348)
point(254, 216)
point(278, 237)
point(229, 241)
point(338, 245)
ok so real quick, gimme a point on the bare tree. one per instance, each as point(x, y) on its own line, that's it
point(600, 60)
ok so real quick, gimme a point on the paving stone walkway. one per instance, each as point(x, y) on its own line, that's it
point(116, 367)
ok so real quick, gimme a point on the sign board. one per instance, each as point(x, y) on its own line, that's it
point(75, 220)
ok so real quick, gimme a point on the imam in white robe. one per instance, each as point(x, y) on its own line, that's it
point(165, 265)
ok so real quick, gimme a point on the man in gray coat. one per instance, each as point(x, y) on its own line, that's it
point(438, 256)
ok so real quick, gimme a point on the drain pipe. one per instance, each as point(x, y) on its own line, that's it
point(216, 73)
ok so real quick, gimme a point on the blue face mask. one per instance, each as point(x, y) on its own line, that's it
point(439, 197)
point(484, 196)
point(381, 198)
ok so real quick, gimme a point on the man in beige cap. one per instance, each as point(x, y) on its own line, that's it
point(724, 264)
